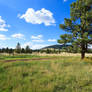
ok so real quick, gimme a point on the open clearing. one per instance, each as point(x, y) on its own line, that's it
point(31, 73)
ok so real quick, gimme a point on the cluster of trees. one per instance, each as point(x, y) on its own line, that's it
point(7, 50)
point(79, 26)
point(27, 50)
point(51, 51)
point(18, 50)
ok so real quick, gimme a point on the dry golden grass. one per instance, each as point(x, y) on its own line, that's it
point(63, 54)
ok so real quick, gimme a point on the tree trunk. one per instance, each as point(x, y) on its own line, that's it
point(83, 50)
point(82, 55)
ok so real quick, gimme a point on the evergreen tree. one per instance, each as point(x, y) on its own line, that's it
point(79, 26)
point(3, 50)
point(48, 51)
point(11, 51)
point(0, 50)
point(54, 51)
point(27, 49)
point(7, 50)
point(23, 50)
point(59, 51)
point(18, 48)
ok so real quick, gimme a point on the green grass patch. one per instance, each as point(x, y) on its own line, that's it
point(64, 74)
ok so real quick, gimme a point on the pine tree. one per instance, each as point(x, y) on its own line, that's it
point(48, 51)
point(7, 50)
point(11, 51)
point(28, 50)
point(78, 26)
point(23, 50)
point(18, 48)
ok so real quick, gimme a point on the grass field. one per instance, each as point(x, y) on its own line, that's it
point(31, 73)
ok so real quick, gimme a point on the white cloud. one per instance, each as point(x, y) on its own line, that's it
point(38, 17)
point(3, 25)
point(34, 46)
point(3, 37)
point(52, 40)
point(65, 0)
point(19, 36)
point(37, 38)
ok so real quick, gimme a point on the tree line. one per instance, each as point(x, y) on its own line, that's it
point(17, 50)
point(27, 50)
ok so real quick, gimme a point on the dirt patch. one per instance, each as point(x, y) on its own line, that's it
point(33, 59)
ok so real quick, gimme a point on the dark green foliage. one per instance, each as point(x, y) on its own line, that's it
point(28, 50)
point(48, 51)
point(78, 26)
point(22, 50)
point(7, 50)
point(42, 51)
point(11, 51)
point(18, 48)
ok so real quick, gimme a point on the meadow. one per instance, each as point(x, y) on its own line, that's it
point(41, 73)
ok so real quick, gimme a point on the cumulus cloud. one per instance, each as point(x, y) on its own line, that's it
point(3, 37)
point(52, 40)
point(3, 25)
point(18, 36)
point(37, 38)
point(38, 17)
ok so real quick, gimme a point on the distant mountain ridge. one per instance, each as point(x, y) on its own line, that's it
point(55, 46)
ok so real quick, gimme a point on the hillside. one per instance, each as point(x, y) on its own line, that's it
point(57, 46)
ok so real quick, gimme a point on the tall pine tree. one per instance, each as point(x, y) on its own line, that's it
point(78, 26)
point(18, 48)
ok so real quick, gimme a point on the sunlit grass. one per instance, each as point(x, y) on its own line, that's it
point(64, 74)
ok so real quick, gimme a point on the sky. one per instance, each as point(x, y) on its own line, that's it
point(32, 22)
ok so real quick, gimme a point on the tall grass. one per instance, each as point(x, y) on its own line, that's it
point(64, 74)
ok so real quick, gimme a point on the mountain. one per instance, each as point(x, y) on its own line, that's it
point(55, 47)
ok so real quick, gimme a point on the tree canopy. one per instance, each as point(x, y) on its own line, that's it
point(78, 26)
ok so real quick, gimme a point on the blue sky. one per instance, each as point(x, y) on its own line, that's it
point(32, 22)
